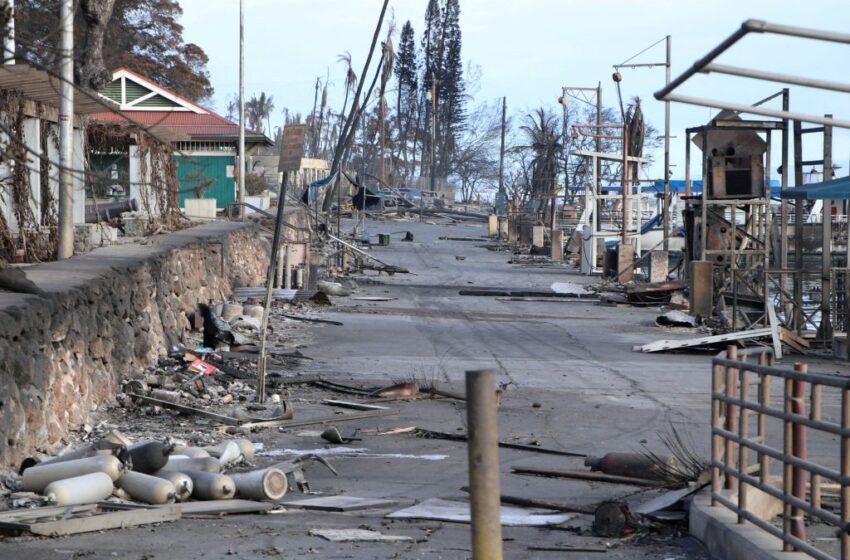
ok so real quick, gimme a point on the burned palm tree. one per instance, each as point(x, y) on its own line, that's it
point(544, 141)
point(386, 74)
point(637, 133)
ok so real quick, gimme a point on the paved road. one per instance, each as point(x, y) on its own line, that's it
point(575, 385)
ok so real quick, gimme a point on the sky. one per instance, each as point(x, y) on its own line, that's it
point(529, 49)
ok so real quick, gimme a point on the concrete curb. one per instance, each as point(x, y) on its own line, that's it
point(718, 529)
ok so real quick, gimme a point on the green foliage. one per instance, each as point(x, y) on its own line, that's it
point(255, 185)
point(142, 35)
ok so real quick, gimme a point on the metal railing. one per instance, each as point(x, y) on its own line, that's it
point(741, 397)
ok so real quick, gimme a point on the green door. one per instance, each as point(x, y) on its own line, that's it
point(205, 177)
point(109, 176)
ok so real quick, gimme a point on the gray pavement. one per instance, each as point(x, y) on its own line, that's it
point(575, 385)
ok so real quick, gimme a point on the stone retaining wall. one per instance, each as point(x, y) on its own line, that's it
point(107, 313)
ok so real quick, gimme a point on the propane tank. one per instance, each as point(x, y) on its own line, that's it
point(182, 483)
point(227, 452)
point(147, 488)
point(206, 464)
point(193, 452)
point(265, 484)
point(245, 446)
point(79, 490)
point(211, 486)
point(149, 456)
point(37, 477)
point(636, 465)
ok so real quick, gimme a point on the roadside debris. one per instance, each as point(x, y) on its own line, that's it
point(357, 535)
point(341, 503)
point(121, 485)
point(454, 511)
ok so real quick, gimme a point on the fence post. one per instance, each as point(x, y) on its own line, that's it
point(787, 473)
point(815, 414)
point(731, 416)
point(744, 432)
point(717, 377)
point(800, 451)
point(764, 401)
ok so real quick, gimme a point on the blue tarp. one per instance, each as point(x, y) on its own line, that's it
point(837, 189)
point(677, 186)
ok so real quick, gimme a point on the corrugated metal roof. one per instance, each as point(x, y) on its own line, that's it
point(198, 127)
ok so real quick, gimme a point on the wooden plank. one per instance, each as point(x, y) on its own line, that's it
point(354, 405)
point(103, 521)
point(587, 475)
point(790, 338)
point(661, 345)
point(223, 507)
point(774, 331)
point(44, 512)
point(322, 420)
point(187, 409)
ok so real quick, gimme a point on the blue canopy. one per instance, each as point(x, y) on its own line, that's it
point(323, 182)
point(837, 189)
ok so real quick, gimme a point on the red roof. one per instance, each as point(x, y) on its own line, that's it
point(197, 126)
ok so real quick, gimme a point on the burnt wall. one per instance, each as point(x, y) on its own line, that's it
point(105, 314)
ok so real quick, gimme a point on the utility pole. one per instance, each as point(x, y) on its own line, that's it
point(667, 68)
point(502, 153)
point(242, 161)
point(9, 35)
point(65, 235)
point(598, 186)
point(433, 95)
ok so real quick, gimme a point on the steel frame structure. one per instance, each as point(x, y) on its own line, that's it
point(706, 65)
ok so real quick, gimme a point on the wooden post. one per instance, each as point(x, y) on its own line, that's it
point(485, 498)
point(731, 411)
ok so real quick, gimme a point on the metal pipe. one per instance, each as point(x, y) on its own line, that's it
point(783, 226)
point(799, 321)
point(484, 465)
point(241, 156)
point(598, 183)
point(626, 186)
point(760, 26)
point(65, 234)
point(825, 331)
point(699, 64)
point(743, 108)
point(845, 472)
point(666, 207)
point(776, 77)
point(9, 35)
point(799, 450)
point(270, 274)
